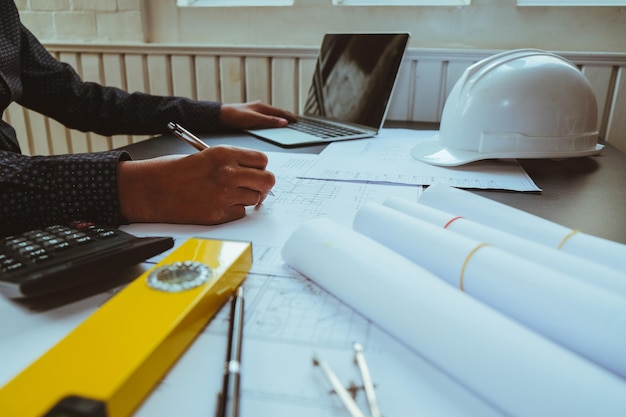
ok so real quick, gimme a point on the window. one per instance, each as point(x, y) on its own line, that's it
point(233, 3)
point(571, 2)
point(401, 2)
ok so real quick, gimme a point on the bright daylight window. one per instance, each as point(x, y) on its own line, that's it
point(222, 3)
point(571, 2)
point(401, 2)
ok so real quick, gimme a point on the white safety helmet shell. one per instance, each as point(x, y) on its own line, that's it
point(524, 103)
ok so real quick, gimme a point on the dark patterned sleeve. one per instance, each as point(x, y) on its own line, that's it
point(44, 190)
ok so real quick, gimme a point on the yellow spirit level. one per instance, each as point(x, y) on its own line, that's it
point(108, 365)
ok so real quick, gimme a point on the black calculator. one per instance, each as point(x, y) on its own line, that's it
point(63, 256)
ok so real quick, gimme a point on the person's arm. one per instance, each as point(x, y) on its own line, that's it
point(37, 191)
point(209, 187)
point(54, 89)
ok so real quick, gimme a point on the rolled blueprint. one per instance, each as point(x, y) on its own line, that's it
point(512, 367)
point(520, 223)
point(591, 272)
point(586, 319)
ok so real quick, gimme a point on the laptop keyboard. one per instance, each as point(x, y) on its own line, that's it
point(322, 129)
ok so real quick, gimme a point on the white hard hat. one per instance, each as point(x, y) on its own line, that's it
point(524, 103)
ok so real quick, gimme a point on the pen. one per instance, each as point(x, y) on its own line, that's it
point(229, 400)
point(187, 136)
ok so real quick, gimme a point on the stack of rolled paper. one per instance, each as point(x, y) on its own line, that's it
point(526, 326)
point(525, 225)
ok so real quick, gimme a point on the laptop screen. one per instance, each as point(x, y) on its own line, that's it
point(354, 77)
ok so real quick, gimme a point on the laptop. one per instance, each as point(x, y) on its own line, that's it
point(349, 96)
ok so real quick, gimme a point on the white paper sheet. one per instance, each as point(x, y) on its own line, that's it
point(526, 225)
point(387, 159)
point(518, 371)
point(588, 271)
point(581, 317)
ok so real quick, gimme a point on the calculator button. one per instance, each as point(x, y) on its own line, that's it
point(20, 245)
point(60, 245)
point(64, 232)
point(51, 242)
point(35, 234)
point(13, 266)
point(105, 234)
point(80, 225)
point(6, 262)
point(35, 251)
point(15, 241)
point(41, 257)
point(79, 238)
point(27, 250)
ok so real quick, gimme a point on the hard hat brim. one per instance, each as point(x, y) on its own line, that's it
point(432, 152)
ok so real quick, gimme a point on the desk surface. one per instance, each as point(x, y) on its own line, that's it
point(588, 193)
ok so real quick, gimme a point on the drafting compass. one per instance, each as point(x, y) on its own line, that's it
point(346, 394)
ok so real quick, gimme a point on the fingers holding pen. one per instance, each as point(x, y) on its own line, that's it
point(253, 176)
point(209, 187)
point(243, 179)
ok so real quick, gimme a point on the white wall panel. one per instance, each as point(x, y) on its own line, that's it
point(616, 130)
point(600, 78)
point(306, 68)
point(207, 78)
point(15, 116)
point(232, 80)
point(183, 76)
point(258, 73)
point(285, 83)
point(428, 93)
point(114, 76)
point(91, 65)
point(401, 104)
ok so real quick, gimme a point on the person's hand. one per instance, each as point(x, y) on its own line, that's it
point(254, 115)
point(209, 187)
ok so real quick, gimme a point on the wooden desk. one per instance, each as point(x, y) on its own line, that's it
point(588, 194)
